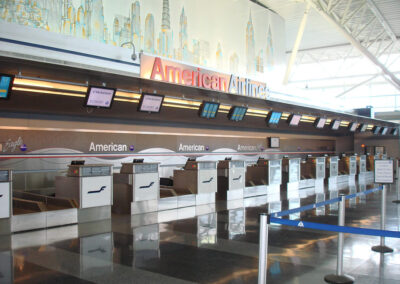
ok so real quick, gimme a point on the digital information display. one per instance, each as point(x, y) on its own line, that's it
point(335, 125)
point(295, 120)
point(363, 127)
point(384, 130)
point(353, 126)
point(321, 123)
point(5, 86)
point(383, 171)
point(274, 117)
point(274, 142)
point(99, 97)
point(151, 103)
point(209, 110)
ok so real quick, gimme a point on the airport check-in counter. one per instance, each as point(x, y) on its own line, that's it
point(231, 179)
point(136, 188)
point(332, 169)
point(198, 178)
point(364, 176)
point(91, 186)
point(370, 163)
point(347, 168)
point(265, 177)
point(5, 200)
point(312, 172)
point(291, 174)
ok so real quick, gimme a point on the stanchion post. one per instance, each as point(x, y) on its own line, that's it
point(339, 277)
point(397, 201)
point(382, 248)
point(263, 248)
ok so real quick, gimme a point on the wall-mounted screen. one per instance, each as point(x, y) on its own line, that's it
point(294, 119)
point(273, 117)
point(99, 97)
point(376, 129)
point(150, 103)
point(363, 127)
point(353, 126)
point(237, 113)
point(273, 142)
point(384, 130)
point(6, 83)
point(335, 124)
point(394, 131)
point(320, 122)
point(208, 109)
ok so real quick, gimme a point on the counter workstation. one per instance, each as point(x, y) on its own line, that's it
point(231, 179)
point(364, 176)
point(5, 200)
point(312, 172)
point(136, 188)
point(332, 169)
point(291, 174)
point(265, 177)
point(195, 184)
point(91, 187)
point(347, 169)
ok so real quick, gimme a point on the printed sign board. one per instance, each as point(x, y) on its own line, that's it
point(383, 171)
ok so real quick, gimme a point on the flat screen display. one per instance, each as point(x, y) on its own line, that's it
point(274, 142)
point(353, 126)
point(209, 109)
point(6, 82)
point(294, 119)
point(376, 129)
point(150, 103)
point(384, 130)
point(99, 97)
point(320, 122)
point(394, 131)
point(335, 124)
point(274, 117)
point(363, 127)
point(237, 113)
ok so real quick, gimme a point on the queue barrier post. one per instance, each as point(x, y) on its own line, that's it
point(397, 201)
point(382, 248)
point(263, 248)
point(339, 277)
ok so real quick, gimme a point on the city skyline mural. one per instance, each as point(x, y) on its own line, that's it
point(247, 40)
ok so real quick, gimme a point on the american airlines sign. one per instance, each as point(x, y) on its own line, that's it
point(155, 68)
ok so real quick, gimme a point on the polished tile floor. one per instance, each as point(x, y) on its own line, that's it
point(207, 244)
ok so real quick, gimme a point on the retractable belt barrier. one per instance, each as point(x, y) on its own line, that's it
point(323, 203)
point(339, 277)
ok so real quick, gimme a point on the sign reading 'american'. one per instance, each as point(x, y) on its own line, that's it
point(155, 68)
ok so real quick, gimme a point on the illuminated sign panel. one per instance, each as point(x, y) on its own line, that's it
point(155, 68)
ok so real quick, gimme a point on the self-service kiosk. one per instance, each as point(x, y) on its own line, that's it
point(231, 179)
point(332, 169)
point(5, 200)
point(291, 175)
point(264, 177)
point(136, 188)
point(91, 186)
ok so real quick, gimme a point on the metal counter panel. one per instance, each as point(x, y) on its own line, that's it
point(207, 181)
point(96, 191)
point(4, 200)
point(146, 186)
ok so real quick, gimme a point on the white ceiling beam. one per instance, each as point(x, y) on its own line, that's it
point(296, 46)
point(333, 19)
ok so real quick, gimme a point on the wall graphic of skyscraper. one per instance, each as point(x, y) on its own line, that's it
point(149, 34)
point(270, 50)
point(165, 47)
point(250, 47)
point(135, 25)
point(219, 59)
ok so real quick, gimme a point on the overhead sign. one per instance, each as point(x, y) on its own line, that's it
point(155, 68)
point(383, 171)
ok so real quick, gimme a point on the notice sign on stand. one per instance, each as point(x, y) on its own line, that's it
point(383, 171)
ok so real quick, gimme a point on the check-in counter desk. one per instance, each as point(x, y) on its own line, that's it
point(5, 200)
point(231, 179)
point(195, 184)
point(136, 188)
point(91, 187)
point(370, 163)
point(312, 172)
point(265, 177)
point(291, 175)
point(364, 176)
point(347, 169)
point(332, 169)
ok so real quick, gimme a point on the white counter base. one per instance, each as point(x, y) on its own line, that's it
point(255, 190)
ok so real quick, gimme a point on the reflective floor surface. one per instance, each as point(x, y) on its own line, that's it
point(208, 244)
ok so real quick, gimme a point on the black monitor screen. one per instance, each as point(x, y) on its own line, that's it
point(353, 126)
point(335, 124)
point(209, 109)
point(376, 129)
point(78, 162)
point(6, 82)
point(363, 127)
point(150, 103)
point(394, 131)
point(237, 113)
point(384, 130)
point(273, 117)
point(99, 97)
point(138, 161)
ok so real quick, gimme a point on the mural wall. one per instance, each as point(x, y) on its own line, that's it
point(237, 37)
